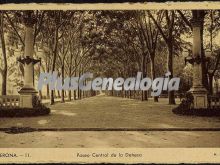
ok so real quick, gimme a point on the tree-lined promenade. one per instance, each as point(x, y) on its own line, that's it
point(103, 121)
point(112, 113)
point(109, 44)
point(163, 45)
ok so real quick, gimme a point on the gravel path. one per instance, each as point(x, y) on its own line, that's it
point(112, 112)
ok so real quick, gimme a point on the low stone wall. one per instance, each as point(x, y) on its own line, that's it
point(9, 101)
point(214, 101)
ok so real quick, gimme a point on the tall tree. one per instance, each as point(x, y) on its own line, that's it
point(57, 21)
point(149, 35)
point(212, 26)
point(4, 68)
point(168, 36)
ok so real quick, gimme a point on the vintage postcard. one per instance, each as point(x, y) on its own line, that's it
point(110, 83)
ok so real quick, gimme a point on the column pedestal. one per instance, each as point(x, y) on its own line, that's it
point(27, 92)
point(26, 100)
point(200, 97)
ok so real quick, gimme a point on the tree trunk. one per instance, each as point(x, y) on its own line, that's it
point(52, 97)
point(153, 75)
point(170, 69)
point(83, 92)
point(58, 93)
point(47, 87)
point(4, 70)
point(74, 94)
point(69, 95)
point(143, 93)
point(54, 61)
point(78, 91)
point(62, 92)
point(80, 94)
point(70, 72)
point(48, 92)
point(4, 82)
point(74, 91)
point(210, 76)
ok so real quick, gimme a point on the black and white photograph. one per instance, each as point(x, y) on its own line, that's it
point(109, 79)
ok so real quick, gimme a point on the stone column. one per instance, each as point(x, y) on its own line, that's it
point(28, 91)
point(198, 90)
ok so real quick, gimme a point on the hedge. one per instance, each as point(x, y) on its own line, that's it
point(185, 108)
point(24, 112)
